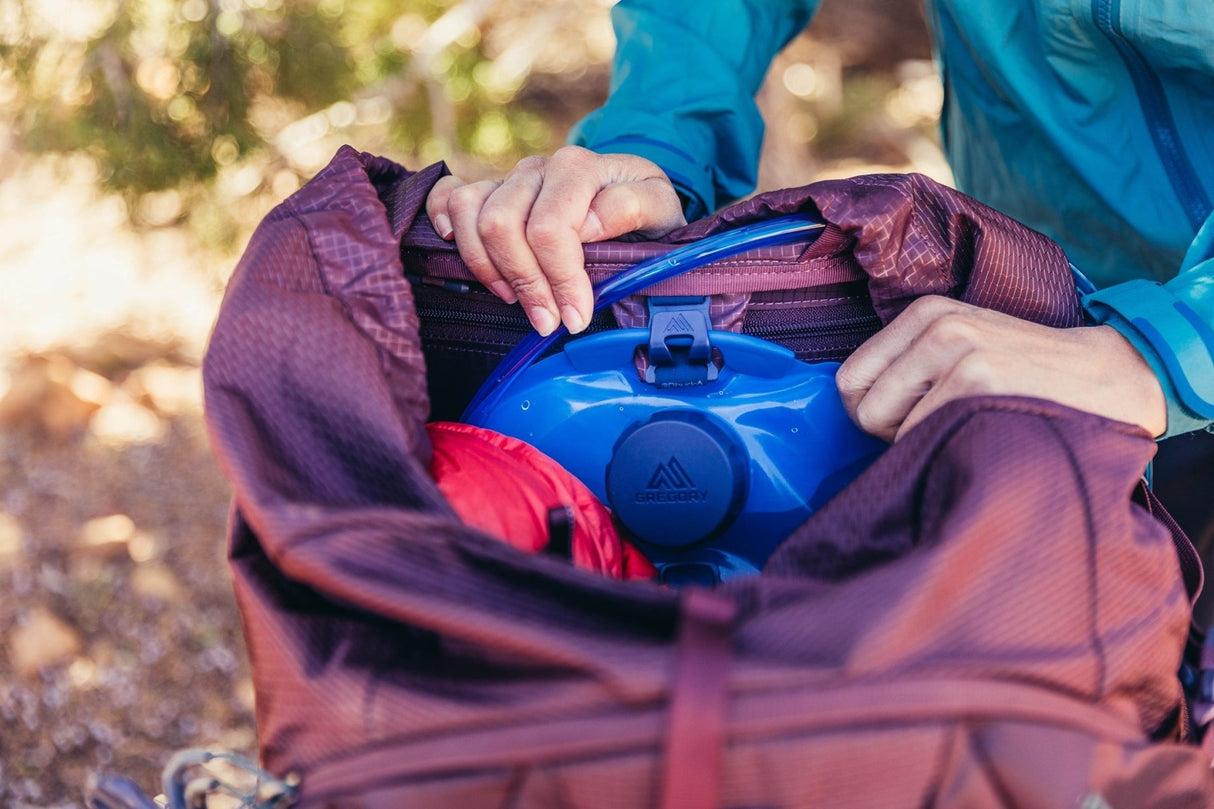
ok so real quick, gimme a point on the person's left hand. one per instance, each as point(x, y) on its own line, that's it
point(940, 349)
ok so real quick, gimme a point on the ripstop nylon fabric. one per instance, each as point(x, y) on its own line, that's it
point(983, 618)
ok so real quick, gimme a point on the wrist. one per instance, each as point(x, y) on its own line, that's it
point(1132, 373)
point(1174, 337)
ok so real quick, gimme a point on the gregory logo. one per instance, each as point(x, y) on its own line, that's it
point(670, 483)
point(678, 325)
point(670, 475)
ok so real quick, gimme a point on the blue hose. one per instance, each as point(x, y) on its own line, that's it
point(784, 230)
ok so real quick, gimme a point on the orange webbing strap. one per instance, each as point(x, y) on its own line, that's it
point(698, 694)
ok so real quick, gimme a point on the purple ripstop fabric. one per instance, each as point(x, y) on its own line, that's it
point(987, 616)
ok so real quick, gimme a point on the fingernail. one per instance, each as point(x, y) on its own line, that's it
point(592, 228)
point(573, 318)
point(542, 319)
point(503, 291)
point(442, 224)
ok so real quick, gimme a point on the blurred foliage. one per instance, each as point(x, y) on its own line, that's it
point(166, 95)
point(204, 113)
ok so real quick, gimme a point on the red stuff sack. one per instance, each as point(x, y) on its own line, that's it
point(508, 488)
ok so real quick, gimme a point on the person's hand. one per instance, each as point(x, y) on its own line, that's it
point(940, 349)
point(522, 236)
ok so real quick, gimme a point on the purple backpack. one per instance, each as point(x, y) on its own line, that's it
point(992, 614)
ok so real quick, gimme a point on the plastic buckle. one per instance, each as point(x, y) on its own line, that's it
point(188, 782)
point(680, 353)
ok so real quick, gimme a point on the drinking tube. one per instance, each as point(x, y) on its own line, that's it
point(783, 230)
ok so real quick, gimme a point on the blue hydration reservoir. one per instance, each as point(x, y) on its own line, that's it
point(710, 447)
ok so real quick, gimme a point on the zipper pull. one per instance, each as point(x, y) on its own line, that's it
point(458, 287)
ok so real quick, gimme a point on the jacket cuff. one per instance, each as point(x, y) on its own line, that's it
point(1171, 337)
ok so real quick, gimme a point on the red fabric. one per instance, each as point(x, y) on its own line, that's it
point(505, 487)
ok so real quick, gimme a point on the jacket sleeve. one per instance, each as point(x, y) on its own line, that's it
point(684, 77)
point(1172, 326)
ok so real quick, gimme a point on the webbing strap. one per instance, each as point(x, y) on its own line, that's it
point(1190, 562)
point(695, 726)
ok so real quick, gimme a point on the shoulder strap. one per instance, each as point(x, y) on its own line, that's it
point(695, 727)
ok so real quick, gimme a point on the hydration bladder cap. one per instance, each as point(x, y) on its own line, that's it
point(678, 478)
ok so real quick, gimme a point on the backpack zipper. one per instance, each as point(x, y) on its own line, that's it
point(460, 317)
point(602, 321)
point(1158, 115)
point(827, 340)
point(813, 339)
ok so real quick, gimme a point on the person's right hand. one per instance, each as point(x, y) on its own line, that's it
point(522, 236)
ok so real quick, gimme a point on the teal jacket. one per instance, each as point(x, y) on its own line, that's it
point(1089, 120)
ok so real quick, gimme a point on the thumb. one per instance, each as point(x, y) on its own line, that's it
point(649, 207)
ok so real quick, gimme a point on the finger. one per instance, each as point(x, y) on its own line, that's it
point(572, 179)
point(584, 197)
point(436, 205)
point(464, 206)
point(861, 370)
point(912, 376)
point(588, 197)
point(976, 374)
point(649, 207)
point(503, 231)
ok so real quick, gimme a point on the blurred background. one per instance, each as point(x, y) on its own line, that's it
point(145, 140)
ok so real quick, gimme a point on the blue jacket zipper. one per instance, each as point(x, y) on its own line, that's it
point(1107, 15)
